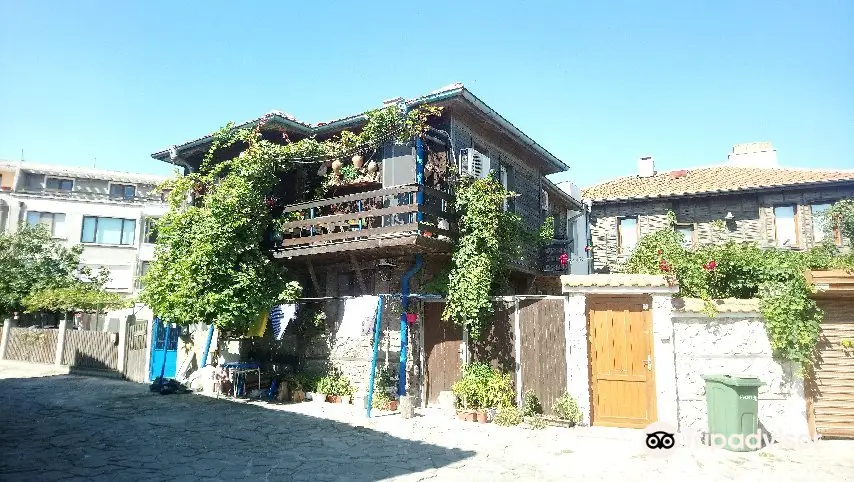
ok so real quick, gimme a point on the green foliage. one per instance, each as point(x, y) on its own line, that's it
point(848, 344)
point(31, 261)
point(80, 296)
point(438, 285)
point(334, 383)
point(841, 216)
point(536, 422)
point(489, 241)
point(566, 408)
point(531, 404)
point(380, 399)
point(547, 230)
point(211, 262)
point(482, 386)
point(744, 270)
point(508, 416)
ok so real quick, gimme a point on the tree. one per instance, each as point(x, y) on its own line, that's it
point(31, 261)
point(840, 216)
point(77, 296)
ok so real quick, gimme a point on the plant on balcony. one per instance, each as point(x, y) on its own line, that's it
point(489, 241)
point(211, 263)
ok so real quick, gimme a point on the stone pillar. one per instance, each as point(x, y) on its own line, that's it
point(60, 340)
point(7, 327)
point(664, 362)
point(517, 348)
point(123, 343)
point(577, 360)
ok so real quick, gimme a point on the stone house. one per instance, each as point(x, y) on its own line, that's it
point(390, 231)
point(749, 198)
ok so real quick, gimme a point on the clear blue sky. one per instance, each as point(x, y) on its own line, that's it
point(597, 85)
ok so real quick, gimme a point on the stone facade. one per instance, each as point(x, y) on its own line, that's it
point(752, 218)
point(577, 359)
point(737, 344)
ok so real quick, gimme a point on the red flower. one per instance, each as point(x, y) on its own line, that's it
point(663, 265)
point(659, 252)
point(587, 249)
point(711, 265)
point(564, 259)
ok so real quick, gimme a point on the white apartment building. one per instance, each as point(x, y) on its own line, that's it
point(108, 212)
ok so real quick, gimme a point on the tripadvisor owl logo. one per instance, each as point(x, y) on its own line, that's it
point(660, 438)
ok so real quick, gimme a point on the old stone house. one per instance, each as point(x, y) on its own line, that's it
point(390, 232)
point(749, 198)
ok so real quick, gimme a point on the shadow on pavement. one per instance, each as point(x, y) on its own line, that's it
point(100, 429)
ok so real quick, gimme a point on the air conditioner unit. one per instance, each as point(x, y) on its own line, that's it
point(473, 163)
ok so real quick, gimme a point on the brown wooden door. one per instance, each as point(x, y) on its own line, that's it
point(831, 387)
point(543, 349)
point(621, 372)
point(442, 342)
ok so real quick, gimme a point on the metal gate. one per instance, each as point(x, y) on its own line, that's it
point(164, 349)
point(135, 367)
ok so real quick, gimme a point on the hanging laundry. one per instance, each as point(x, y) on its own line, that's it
point(359, 316)
point(280, 317)
point(259, 327)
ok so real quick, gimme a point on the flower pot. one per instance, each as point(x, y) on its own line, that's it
point(298, 396)
point(392, 405)
point(467, 415)
point(345, 399)
point(411, 318)
point(358, 161)
point(336, 166)
point(317, 397)
point(481, 416)
point(372, 167)
point(332, 398)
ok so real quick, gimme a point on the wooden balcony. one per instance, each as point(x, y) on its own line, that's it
point(387, 222)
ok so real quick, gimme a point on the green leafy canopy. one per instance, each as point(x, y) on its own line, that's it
point(211, 264)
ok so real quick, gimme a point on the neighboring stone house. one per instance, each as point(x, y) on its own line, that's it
point(747, 199)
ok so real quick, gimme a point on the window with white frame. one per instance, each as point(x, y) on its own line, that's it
point(55, 222)
point(820, 224)
point(627, 234)
point(149, 234)
point(786, 226)
point(101, 230)
point(59, 184)
point(122, 191)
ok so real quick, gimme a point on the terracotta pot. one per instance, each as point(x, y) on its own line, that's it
point(358, 161)
point(392, 405)
point(333, 399)
point(467, 415)
point(336, 166)
point(298, 396)
point(481, 416)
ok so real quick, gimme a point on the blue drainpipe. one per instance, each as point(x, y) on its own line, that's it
point(207, 346)
point(404, 300)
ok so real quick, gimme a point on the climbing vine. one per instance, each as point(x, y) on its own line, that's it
point(744, 270)
point(212, 264)
point(489, 241)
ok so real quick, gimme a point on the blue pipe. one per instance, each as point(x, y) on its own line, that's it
point(207, 346)
point(376, 353)
point(419, 174)
point(404, 300)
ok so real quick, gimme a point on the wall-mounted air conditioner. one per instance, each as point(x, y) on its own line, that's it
point(473, 163)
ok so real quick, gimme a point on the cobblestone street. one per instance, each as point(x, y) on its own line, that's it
point(63, 427)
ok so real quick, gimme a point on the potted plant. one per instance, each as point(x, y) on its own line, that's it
point(326, 386)
point(344, 390)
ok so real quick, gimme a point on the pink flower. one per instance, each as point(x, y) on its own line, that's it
point(564, 259)
point(711, 265)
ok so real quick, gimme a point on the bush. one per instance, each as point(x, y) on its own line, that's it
point(531, 404)
point(380, 400)
point(537, 422)
point(482, 386)
point(508, 416)
point(327, 385)
point(566, 408)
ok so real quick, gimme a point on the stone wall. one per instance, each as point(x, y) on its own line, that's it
point(733, 343)
point(753, 219)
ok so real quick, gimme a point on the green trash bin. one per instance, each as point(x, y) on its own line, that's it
point(733, 408)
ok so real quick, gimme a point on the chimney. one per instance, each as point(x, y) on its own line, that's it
point(753, 154)
point(646, 166)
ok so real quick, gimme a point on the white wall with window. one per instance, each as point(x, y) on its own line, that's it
point(627, 234)
point(785, 226)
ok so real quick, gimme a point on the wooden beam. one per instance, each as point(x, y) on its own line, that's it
point(314, 277)
point(352, 197)
point(335, 218)
point(359, 277)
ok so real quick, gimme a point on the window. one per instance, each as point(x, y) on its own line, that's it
point(57, 184)
point(505, 177)
point(785, 226)
point(33, 182)
point(687, 231)
point(627, 234)
point(55, 222)
point(123, 191)
point(150, 232)
point(143, 268)
point(108, 230)
point(819, 223)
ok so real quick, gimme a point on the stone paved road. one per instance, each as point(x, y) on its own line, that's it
point(61, 427)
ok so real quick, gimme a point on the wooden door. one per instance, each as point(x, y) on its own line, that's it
point(442, 343)
point(543, 349)
point(621, 371)
point(831, 387)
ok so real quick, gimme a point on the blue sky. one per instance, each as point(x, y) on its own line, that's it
point(596, 83)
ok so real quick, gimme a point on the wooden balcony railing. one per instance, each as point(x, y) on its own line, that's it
point(401, 211)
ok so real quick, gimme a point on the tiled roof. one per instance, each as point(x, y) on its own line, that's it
point(710, 180)
point(614, 280)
